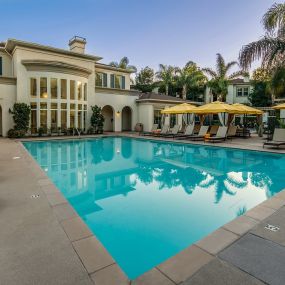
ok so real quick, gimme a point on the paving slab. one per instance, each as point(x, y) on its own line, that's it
point(64, 211)
point(110, 275)
point(152, 277)
point(241, 225)
point(274, 203)
point(260, 212)
point(216, 241)
point(92, 254)
point(218, 272)
point(184, 264)
point(277, 220)
point(75, 228)
point(259, 257)
point(55, 199)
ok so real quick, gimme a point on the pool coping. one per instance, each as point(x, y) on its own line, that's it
point(100, 265)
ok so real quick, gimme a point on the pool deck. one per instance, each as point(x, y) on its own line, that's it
point(43, 241)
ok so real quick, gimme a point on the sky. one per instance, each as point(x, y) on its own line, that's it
point(148, 32)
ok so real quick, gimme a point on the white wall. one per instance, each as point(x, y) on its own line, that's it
point(145, 115)
point(117, 102)
point(7, 100)
point(6, 64)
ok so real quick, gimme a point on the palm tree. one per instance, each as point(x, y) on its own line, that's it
point(166, 75)
point(271, 48)
point(189, 76)
point(220, 78)
point(124, 64)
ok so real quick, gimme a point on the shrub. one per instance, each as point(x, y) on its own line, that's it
point(97, 119)
point(21, 116)
point(12, 133)
point(41, 131)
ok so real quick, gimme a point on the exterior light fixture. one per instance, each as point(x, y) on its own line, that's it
point(118, 113)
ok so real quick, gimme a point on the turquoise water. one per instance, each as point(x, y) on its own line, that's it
point(147, 200)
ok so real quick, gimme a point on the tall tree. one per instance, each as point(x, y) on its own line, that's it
point(189, 77)
point(124, 64)
point(166, 75)
point(220, 79)
point(271, 48)
point(145, 80)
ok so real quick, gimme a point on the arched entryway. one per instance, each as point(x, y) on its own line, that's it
point(126, 119)
point(1, 130)
point(108, 113)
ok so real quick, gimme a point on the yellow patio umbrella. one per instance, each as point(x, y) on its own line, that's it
point(279, 107)
point(215, 108)
point(184, 108)
point(247, 110)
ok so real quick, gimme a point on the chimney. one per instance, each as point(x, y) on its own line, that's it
point(77, 44)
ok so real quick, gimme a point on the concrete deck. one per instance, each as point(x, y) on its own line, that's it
point(43, 241)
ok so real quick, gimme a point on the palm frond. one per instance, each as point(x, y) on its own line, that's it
point(220, 65)
point(255, 50)
point(238, 74)
point(274, 18)
point(210, 72)
point(230, 65)
point(124, 62)
point(114, 63)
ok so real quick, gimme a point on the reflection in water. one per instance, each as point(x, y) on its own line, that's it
point(148, 200)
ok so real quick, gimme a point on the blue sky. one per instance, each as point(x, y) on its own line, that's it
point(149, 32)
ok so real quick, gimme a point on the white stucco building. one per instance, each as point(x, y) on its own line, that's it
point(238, 91)
point(61, 85)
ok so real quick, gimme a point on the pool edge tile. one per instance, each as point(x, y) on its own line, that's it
point(153, 277)
point(185, 263)
point(217, 241)
point(92, 253)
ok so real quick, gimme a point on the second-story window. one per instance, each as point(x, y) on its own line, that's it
point(242, 91)
point(101, 79)
point(118, 81)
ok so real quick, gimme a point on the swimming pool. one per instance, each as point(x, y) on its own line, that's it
point(147, 200)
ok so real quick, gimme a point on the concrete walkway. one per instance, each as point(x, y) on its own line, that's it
point(34, 248)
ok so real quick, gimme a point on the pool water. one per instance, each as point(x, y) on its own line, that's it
point(147, 200)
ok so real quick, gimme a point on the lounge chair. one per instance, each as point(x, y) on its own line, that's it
point(196, 129)
point(201, 134)
point(153, 129)
point(278, 138)
point(220, 136)
point(213, 130)
point(164, 131)
point(172, 133)
point(187, 133)
point(232, 131)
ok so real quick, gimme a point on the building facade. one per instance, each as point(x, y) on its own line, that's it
point(238, 91)
point(61, 86)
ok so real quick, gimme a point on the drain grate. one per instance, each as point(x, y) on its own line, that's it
point(34, 196)
point(16, 157)
point(272, 228)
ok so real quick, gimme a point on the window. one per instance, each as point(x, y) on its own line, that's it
point(157, 117)
point(79, 90)
point(53, 88)
point(33, 118)
point(85, 91)
point(101, 79)
point(33, 87)
point(118, 81)
point(242, 91)
point(43, 88)
point(63, 89)
point(72, 115)
point(43, 115)
point(72, 90)
point(1, 68)
point(53, 115)
point(63, 116)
